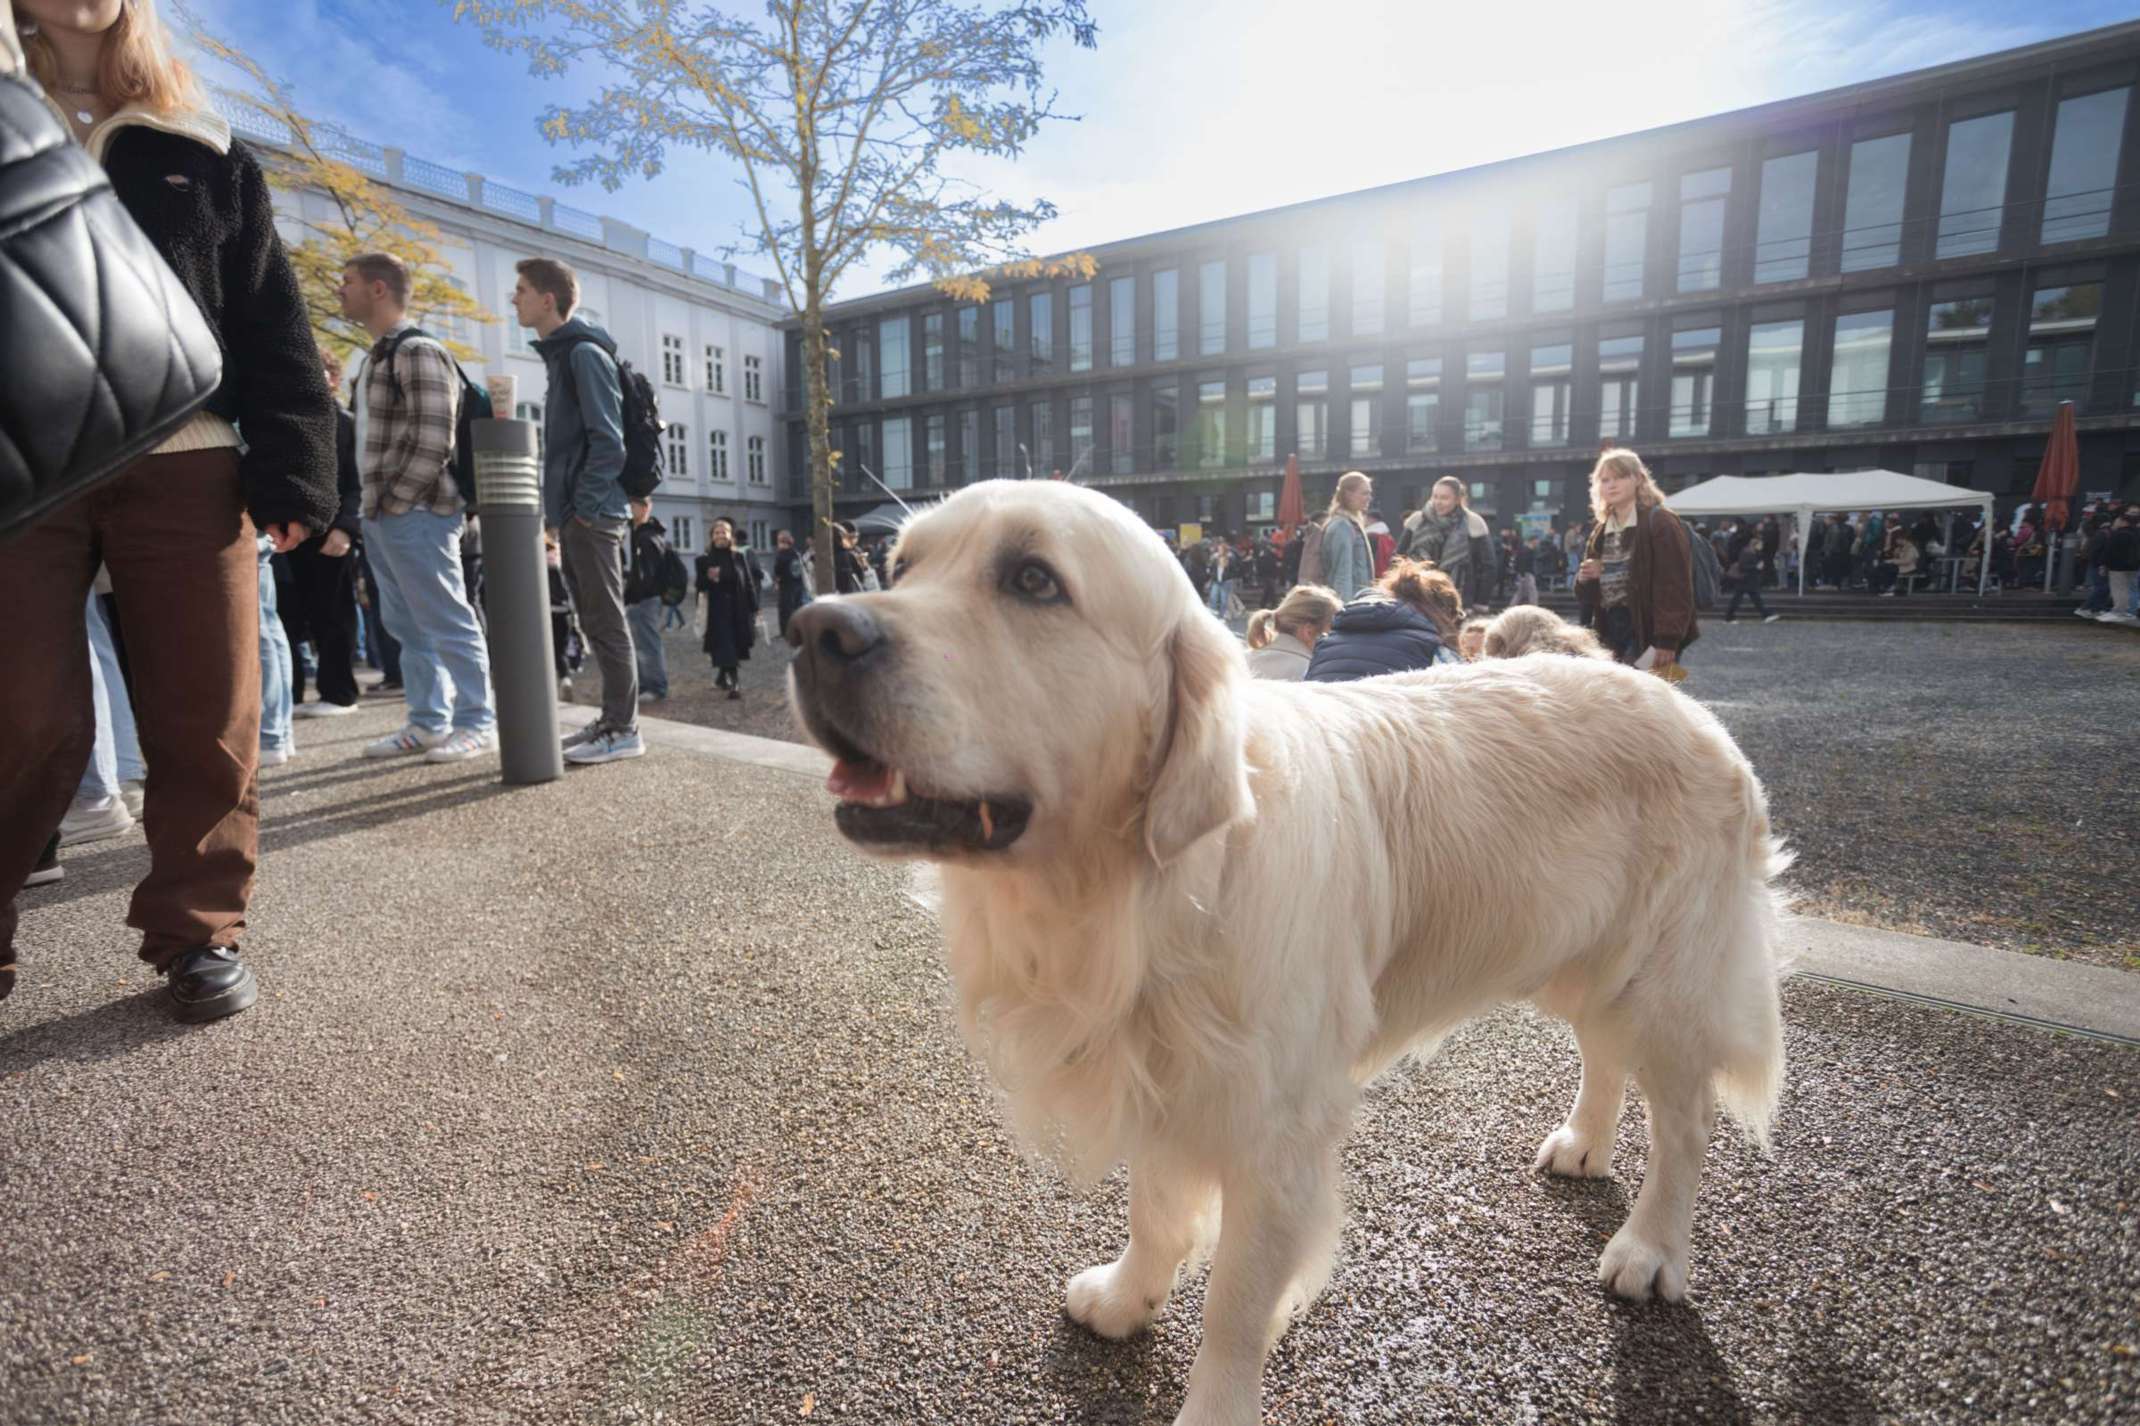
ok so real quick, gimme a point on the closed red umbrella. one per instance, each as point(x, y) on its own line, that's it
point(2059, 477)
point(1291, 515)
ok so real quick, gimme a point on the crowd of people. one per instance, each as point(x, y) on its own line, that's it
point(1239, 574)
point(1352, 617)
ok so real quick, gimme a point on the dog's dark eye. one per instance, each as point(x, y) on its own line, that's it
point(1035, 581)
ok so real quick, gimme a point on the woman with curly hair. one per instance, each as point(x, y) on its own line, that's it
point(1408, 620)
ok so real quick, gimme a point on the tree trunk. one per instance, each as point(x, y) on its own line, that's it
point(817, 403)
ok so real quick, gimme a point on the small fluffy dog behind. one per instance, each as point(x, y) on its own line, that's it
point(1189, 914)
point(1528, 629)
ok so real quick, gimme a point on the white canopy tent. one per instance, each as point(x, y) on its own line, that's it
point(1808, 495)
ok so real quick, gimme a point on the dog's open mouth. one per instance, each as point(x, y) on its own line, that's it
point(877, 806)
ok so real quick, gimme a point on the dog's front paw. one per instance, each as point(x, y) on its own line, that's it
point(1104, 1300)
point(1570, 1153)
point(1635, 1266)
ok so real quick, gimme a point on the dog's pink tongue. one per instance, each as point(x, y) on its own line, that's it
point(859, 782)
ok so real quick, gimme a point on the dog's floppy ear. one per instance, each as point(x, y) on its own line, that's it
point(1201, 779)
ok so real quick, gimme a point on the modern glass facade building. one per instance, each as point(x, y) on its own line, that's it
point(1907, 274)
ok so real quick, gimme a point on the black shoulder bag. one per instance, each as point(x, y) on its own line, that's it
point(105, 353)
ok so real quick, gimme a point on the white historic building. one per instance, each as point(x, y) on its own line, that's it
point(701, 331)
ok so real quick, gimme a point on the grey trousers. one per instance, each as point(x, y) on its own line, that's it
point(594, 568)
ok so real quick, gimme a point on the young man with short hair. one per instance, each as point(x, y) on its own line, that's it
point(583, 493)
point(414, 518)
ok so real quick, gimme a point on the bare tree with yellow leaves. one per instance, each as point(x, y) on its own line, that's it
point(839, 112)
point(363, 214)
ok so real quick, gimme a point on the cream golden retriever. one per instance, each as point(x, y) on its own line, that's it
point(1190, 914)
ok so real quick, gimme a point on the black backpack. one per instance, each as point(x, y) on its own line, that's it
point(642, 420)
point(475, 406)
point(1708, 570)
point(655, 569)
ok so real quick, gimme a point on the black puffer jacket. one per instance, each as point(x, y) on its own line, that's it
point(1375, 636)
point(210, 216)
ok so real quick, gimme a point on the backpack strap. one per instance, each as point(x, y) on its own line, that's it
point(393, 345)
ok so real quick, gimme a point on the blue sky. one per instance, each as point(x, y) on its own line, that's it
point(1192, 111)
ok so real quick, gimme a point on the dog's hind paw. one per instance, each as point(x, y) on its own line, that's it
point(1635, 1267)
point(1571, 1154)
point(1105, 1302)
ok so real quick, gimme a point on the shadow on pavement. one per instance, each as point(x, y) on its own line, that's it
point(1666, 1368)
point(1112, 1382)
point(123, 864)
point(102, 1032)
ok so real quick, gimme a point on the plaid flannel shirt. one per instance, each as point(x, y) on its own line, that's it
point(407, 441)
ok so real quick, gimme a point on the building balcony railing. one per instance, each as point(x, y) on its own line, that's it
point(404, 170)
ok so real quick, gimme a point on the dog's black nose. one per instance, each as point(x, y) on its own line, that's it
point(835, 630)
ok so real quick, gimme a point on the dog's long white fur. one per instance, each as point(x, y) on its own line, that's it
point(1240, 900)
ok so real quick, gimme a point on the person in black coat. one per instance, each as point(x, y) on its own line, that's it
point(848, 566)
point(728, 582)
point(324, 577)
point(172, 526)
point(1408, 621)
point(787, 577)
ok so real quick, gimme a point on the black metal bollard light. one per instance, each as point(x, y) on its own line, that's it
point(516, 597)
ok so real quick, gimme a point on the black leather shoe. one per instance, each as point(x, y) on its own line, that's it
point(209, 984)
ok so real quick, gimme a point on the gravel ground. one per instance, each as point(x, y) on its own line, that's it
point(691, 1138)
point(1970, 782)
point(762, 711)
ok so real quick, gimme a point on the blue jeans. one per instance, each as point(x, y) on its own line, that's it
point(645, 620)
point(275, 672)
point(673, 617)
point(1221, 591)
point(423, 602)
point(117, 755)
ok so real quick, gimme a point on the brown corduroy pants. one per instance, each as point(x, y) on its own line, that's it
point(185, 571)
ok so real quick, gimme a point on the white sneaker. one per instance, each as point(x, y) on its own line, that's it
point(94, 820)
point(2114, 617)
point(322, 710)
point(133, 795)
point(411, 739)
point(276, 757)
point(462, 744)
point(1772, 618)
point(2086, 614)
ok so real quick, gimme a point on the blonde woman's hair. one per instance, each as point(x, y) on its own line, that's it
point(1419, 584)
point(135, 66)
point(1309, 606)
point(1350, 480)
point(1529, 629)
point(1626, 462)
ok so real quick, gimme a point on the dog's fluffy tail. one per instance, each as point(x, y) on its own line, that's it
point(1749, 1077)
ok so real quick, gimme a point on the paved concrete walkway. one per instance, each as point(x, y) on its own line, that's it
point(638, 1097)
